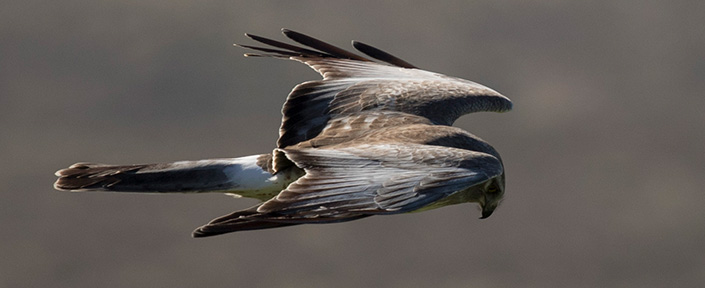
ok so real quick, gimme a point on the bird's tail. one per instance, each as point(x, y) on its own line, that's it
point(244, 176)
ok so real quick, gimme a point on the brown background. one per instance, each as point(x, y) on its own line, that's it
point(603, 151)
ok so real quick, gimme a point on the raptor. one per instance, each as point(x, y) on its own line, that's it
point(373, 137)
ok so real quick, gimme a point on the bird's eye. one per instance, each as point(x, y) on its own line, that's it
point(492, 189)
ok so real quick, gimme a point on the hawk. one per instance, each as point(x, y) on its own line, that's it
point(370, 138)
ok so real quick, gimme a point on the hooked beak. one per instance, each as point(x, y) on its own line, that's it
point(487, 211)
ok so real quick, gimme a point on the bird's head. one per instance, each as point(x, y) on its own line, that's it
point(492, 195)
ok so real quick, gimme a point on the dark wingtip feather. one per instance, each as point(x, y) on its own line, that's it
point(322, 46)
point(219, 229)
point(291, 49)
point(273, 52)
point(237, 221)
point(319, 49)
point(381, 55)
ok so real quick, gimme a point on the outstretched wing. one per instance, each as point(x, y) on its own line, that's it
point(348, 183)
point(352, 84)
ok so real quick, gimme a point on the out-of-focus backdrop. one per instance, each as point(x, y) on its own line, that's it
point(603, 151)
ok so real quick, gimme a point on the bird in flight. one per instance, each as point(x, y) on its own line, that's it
point(370, 138)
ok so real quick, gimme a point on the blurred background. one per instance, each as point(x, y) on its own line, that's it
point(603, 151)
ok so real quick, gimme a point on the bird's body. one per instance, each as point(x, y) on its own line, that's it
point(368, 139)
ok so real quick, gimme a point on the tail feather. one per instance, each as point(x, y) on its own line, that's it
point(233, 175)
point(92, 176)
point(165, 177)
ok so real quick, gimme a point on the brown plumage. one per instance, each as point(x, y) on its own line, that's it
point(369, 138)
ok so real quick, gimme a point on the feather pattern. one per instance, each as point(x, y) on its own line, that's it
point(347, 182)
point(352, 83)
point(368, 138)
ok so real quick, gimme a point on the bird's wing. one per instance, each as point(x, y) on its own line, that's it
point(347, 183)
point(352, 84)
point(356, 126)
